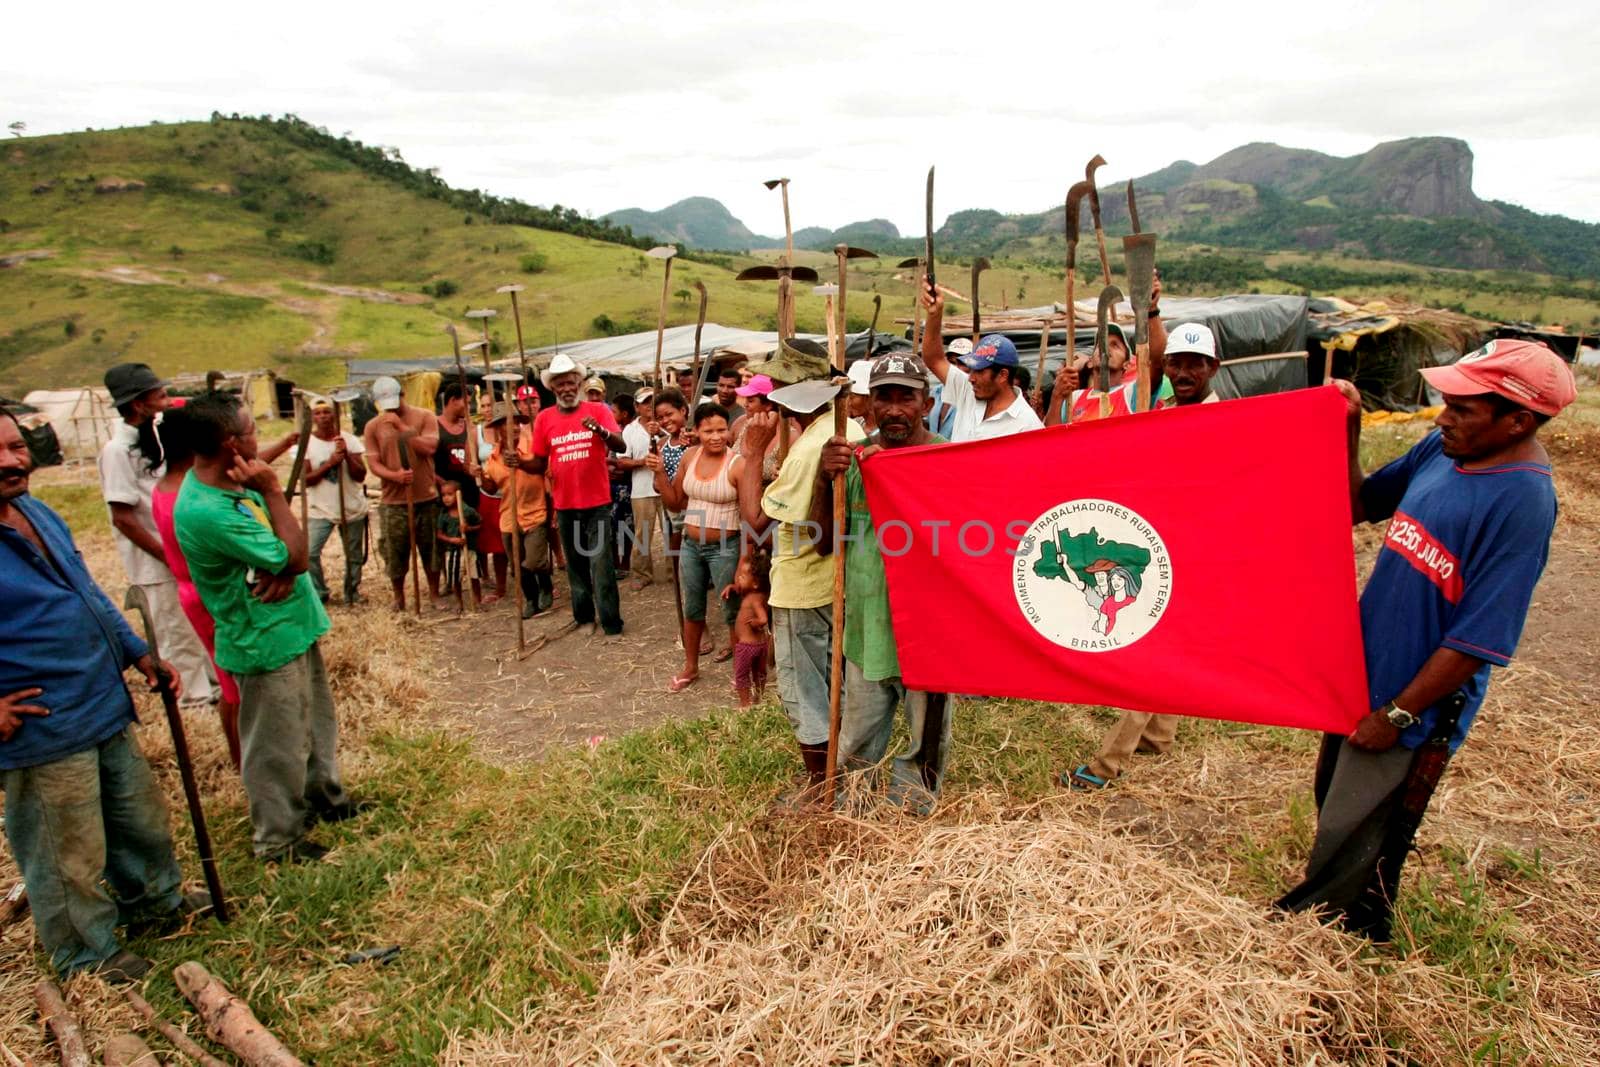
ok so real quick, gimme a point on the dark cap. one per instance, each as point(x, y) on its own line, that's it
point(127, 382)
point(898, 368)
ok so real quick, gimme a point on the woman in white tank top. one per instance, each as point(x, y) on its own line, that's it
point(706, 490)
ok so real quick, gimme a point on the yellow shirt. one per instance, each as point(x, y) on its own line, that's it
point(801, 576)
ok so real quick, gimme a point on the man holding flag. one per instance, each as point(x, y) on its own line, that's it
point(1471, 510)
point(898, 393)
point(1191, 359)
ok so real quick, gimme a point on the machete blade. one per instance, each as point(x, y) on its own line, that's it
point(1110, 296)
point(1133, 207)
point(1094, 191)
point(1139, 258)
point(928, 240)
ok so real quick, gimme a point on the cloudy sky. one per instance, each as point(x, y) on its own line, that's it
point(601, 106)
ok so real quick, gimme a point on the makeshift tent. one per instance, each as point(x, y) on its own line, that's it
point(1382, 346)
point(37, 432)
point(81, 418)
point(1262, 338)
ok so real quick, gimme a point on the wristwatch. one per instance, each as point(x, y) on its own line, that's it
point(1398, 717)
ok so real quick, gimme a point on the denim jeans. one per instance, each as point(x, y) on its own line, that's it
point(587, 536)
point(95, 815)
point(707, 569)
point(801, 638)
point(354, 537)
point(867, 721)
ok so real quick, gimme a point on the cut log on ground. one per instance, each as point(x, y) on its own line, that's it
point(229, 1020)
point(177, 1038)
point(63, 1025)
point(125, 1050)
point(13, 905)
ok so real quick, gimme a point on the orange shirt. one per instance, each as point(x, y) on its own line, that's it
point(530, 487)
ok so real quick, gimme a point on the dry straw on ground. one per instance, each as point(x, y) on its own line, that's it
point(982, 938)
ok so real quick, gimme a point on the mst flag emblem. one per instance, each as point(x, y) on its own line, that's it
point(1092, 575)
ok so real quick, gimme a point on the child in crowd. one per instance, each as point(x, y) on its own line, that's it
point(453, 537)
point(751, 583)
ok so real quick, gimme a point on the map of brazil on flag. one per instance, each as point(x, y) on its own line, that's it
point(1196, 561)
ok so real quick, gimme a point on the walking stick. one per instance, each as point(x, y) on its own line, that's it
point(507, 445)
point(836, 652)
point(136, 601)
point(665, 253)
point(516, 317)
point(303, 416)
point(461, 503)
point(411, 516)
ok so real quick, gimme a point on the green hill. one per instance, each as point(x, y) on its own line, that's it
point(699, 222)
point(242, 243)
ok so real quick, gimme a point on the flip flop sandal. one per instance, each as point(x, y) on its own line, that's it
point(723, 655)
point(1082, 778)
point(680, 683)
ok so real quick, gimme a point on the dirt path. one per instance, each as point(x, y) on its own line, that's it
point(576, 687)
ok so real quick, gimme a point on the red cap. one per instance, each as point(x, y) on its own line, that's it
point(527, 392)
point(1524, 372)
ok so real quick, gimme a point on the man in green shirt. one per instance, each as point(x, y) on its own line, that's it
point(248, 559)
point(898, 387)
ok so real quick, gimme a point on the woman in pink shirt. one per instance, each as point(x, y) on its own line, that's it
point(174, 431)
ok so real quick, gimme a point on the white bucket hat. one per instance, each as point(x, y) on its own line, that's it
point(562, 364)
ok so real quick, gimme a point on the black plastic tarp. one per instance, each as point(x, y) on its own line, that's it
point(37, 432)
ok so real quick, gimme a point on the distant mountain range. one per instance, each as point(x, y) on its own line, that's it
point(1409, 200)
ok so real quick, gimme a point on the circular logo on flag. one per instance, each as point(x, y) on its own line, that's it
point(1092, 575)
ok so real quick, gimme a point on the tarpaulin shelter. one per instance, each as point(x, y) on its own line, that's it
point(1261, 337)
point(37, 433)
point(1382, 346)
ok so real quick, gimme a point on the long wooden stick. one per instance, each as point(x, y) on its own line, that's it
point(55, 1014)
point(229, 1020)
point(178, 1039)
point(836, 650)
point(411, 517)
point(661, 319)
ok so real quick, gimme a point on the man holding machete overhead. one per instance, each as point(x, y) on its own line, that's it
point(81, 802)
point(985, 397)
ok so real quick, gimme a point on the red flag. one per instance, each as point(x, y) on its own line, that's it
point(1196, 560)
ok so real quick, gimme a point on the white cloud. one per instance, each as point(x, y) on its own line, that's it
point(604, 106)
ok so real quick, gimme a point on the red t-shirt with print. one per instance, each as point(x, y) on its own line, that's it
point(577, 475)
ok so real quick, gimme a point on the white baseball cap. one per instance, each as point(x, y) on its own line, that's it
point(1192, 337)
point(961, 346)
point(858, 372)
point(386, 394)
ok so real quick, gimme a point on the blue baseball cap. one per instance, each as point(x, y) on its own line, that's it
point(993, 350)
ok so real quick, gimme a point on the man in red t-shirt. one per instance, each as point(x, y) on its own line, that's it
point(570, 442)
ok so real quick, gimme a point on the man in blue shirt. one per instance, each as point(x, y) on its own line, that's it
point(1471, 509)
point(82, 807)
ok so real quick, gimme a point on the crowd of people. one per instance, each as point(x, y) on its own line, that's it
point(733, 493)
